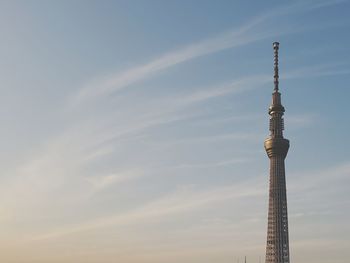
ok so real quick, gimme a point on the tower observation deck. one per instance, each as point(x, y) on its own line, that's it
point(276, 146)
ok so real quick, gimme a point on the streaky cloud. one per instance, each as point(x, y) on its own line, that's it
point(183, 200)
point(236, 37)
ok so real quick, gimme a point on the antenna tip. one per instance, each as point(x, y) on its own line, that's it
point(275, 45)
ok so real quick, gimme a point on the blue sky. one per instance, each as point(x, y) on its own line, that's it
point(132, 131)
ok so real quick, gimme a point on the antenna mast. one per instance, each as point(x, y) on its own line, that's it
point(275, 64)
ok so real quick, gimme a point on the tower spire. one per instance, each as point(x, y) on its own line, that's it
point(275, 64)
point(276, 110)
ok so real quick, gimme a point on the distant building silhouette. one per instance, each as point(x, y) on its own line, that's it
point(277, 246)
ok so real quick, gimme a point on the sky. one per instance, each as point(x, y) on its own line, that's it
point(132, 131)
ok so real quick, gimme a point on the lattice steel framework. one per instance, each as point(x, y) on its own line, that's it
point(277, 246)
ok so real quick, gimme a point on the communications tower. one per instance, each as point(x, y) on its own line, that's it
point(276, 146)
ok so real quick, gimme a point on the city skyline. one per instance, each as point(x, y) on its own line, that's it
point(132, 131)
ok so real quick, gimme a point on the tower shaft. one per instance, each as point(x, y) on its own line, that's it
point(276, 146)
point(277, 246)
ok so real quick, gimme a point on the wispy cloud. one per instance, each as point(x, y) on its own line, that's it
point(322, 4)
point(212, 164)
point(244, 34)
point(182, 201)
point(320, 178)
point(323, 70)
point(121, 80)
point(302, 120)
point(100, 182)
point(189, 199)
